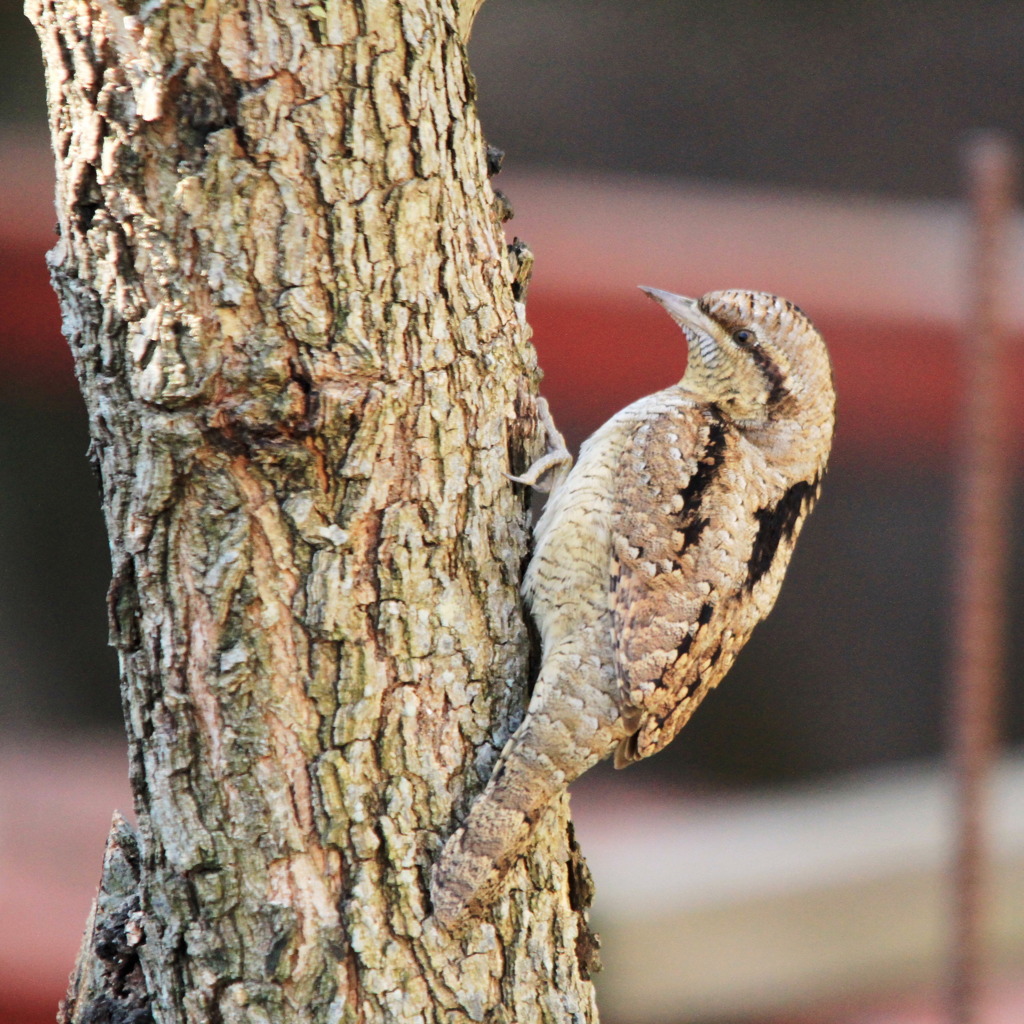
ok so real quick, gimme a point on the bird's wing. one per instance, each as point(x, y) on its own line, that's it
point(667, 601)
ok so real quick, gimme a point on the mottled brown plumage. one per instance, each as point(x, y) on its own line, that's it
point(654, 560)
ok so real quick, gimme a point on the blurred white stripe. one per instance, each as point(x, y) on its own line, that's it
point(848, 254)
point(767, 903)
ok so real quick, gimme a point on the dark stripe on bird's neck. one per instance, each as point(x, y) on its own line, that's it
point(708, 463)
point(779, 522)
point(773, 376)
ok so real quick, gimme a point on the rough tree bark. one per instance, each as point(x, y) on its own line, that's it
point(292, 317)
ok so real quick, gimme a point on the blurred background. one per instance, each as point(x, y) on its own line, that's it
point(785, 859)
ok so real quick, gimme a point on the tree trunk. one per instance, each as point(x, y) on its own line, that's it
point(293, 323)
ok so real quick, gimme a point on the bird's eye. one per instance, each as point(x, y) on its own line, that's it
point(743, 337)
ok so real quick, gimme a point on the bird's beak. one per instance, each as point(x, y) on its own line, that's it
point(702, 333)
point(684, 311)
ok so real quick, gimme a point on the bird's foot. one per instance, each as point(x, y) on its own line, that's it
point(553, 466)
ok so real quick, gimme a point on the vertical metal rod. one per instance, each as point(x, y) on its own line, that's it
point(982, 471)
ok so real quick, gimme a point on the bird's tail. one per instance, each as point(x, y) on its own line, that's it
point(560, 738)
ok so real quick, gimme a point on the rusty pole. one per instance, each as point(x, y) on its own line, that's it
point(981, 531)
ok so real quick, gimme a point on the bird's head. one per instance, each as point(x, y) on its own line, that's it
point(754, 355)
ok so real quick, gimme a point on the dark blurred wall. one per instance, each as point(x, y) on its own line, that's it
point(23, 97)
point(56, 670)
point(825, 95)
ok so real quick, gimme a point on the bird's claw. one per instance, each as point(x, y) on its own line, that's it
point(555, 463)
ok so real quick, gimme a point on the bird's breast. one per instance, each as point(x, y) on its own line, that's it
point(568, 577)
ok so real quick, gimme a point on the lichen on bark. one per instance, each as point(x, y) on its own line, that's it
point(292, 317)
